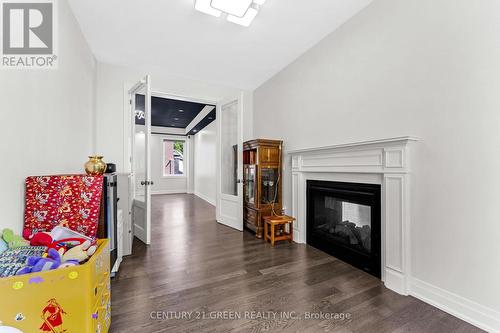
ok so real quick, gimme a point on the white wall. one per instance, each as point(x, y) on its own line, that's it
point(47, 117)
point(114, 81)
point(205, 163)
point(428, 68)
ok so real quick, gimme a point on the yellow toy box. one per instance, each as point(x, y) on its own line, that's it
point(72, 300)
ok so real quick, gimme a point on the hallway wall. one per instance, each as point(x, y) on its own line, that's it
point(205, 163)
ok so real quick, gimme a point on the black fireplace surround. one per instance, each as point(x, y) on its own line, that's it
point(343, 219)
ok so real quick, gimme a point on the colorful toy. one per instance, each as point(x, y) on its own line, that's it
point(13, 260)
point(40, 264)
point(41, 239)
point(60, 245)
point(12, 239)
point(81, 252)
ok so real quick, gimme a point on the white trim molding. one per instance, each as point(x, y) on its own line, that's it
point(385, 162)
point(474, 313)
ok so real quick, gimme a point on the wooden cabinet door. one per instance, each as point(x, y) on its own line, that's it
point(269, 155)
point(250, 194)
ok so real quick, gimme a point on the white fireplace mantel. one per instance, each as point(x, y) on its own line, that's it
point(385, 162)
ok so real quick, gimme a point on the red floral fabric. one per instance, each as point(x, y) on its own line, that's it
point(72, 201)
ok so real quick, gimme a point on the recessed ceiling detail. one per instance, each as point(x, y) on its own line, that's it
point(203, 123)
point(241, 12)
point(173, 113)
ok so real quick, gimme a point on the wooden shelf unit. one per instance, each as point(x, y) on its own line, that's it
point(262, 179)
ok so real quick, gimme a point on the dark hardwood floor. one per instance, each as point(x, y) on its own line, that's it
point(196, 265)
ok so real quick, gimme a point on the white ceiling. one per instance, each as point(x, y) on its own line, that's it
point(173, 36)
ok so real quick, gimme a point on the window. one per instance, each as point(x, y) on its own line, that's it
point(173, 158)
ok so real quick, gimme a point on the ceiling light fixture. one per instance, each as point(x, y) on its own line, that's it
point(181, 110)
point(241, 12)
point(205, 7)
point(246, 20)
point(232, 7)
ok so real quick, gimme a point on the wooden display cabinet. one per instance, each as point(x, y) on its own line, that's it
point(262, 181)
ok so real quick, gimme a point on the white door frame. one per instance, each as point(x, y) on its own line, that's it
point(236, 221)
point(128, 141)
point(144, 210)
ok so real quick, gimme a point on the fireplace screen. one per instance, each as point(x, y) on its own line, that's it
point(344, 222)
point(343, 219)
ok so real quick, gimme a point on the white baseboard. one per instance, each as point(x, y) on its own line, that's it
point(139, 232)
point(204, 197)
point(296, 237)
point(158, 192)
point(476, 314)
point(394, 280)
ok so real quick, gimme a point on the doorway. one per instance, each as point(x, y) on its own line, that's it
point(164, 134)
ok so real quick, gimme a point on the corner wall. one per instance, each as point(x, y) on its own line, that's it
point(427, 68)
point(47, 118)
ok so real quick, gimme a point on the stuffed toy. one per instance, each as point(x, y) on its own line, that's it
point(45, 239)
point(40, 264)
point(13, 240)
point(41, 239)
point(61, 245)
point(80, 253)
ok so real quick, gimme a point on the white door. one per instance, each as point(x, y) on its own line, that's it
point(230, 163)
point(141, 160)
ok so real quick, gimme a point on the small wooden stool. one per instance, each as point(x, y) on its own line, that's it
point(270, 223)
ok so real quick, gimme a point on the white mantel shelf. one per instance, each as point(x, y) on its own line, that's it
point(385, 162)
point(395, 140)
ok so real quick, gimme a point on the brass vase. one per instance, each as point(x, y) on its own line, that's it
point(95, 166)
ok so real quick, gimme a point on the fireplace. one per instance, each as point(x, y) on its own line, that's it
point(343, 219)
point(386, 162)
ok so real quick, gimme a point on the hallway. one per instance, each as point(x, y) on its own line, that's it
point(199, 266)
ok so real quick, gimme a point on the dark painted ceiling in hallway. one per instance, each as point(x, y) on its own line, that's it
point(172, 113)
point(203, 123)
